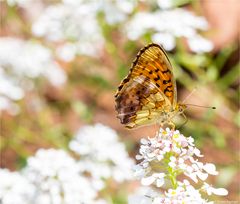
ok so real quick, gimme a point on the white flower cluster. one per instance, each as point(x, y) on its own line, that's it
point(165, 26)
point(57, 178)
point(20, 3)
point(75, 23)
point(54, 177)
point(20, 62)
point(102, 155)
point(164, 158)
point(50, 177)
point(14, 188)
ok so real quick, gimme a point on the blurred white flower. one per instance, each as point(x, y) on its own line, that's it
point(116, 11)
point(77, 22)
point(8, 105)
point(199, 44)
point(14, 188)
point(28, 59)
point(165, 27)
point(165, 4)
point(20, 62)
point(21, 3)
point(72, 23)
point(165, 39)
point(67, 52)
point(57, 180)
point(102, 154)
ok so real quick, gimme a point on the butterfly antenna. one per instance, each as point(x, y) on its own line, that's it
point(189, 95)
point(211, 107)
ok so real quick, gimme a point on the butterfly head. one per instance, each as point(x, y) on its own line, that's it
point(180, 108)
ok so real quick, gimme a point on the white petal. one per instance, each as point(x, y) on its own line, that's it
point(159, 175)
point(148, 180)
point(193, 176)
point(173, 159)
point(202, 176)
point(144, 141)
point(160, 182)
point(210, 168)
point(172, 164)
point(181, 160)
point(152, 154)
point(138, 157)
point(220, 191)
point(197, 152)
point(160, 157)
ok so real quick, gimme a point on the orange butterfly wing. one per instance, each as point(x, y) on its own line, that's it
point(149, 90)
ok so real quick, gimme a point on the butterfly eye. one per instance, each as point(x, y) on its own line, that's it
point(180, 109)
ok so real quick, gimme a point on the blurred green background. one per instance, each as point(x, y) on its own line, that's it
point(87, 48)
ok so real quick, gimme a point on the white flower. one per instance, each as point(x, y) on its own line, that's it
point(184, 193)
point(199, 44)
point(197, 152)
point(156, 177)
point(142, 195)
point(56, 178)
point(21, 3)
point(116, 11)
point(217, 191)
point(171, 148)
point(14, 188)
point(67, 22)
point(165, 4)
point(20, 63)
point(67, 52)
point(28, 59)
point(77, 22)
point(102, 154)
point(164, 39)
point(210, 169)
point(165, 27)
point(177, 156)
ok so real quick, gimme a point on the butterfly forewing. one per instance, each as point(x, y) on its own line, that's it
point(149, 89)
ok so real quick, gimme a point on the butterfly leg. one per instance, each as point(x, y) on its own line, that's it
point(172, 125)
point(186, 120)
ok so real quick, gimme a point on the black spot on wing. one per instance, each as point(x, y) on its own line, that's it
point(167, 89)
point(166, 71)
point(157, 78)
point(166, 81)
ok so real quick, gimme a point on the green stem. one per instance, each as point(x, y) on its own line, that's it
point(173, 179)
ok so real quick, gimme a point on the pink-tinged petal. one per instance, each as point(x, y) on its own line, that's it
point(197, 152)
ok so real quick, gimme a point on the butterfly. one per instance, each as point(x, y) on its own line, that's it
point(148, 94)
